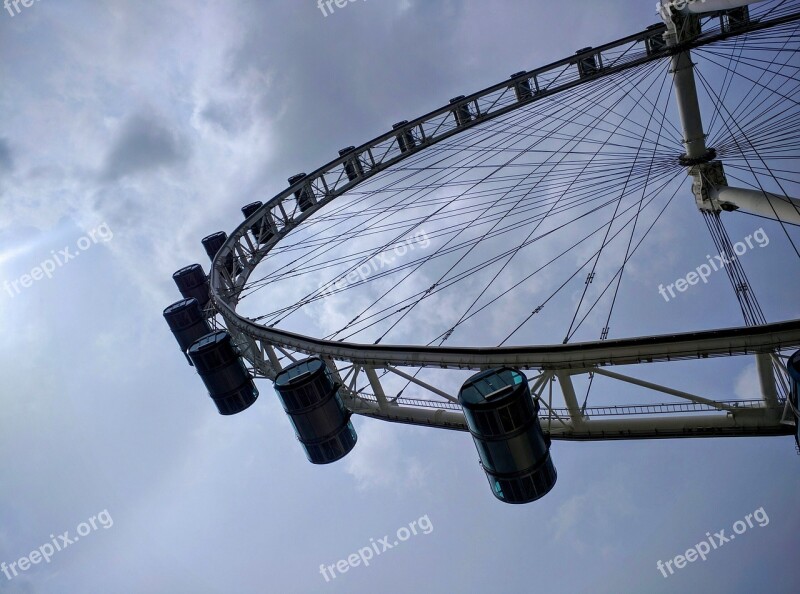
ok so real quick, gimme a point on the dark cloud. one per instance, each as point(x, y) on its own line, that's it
point(145, 142)
point(225, 115)
point(6, 161)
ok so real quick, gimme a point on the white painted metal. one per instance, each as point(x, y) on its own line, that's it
point(747, 421)
point(664, 389)
point(694, 137)
point(693, 345)
point(568, 390)
point(280, 216)
point(763, 204)
point(705, 6)
point(766, 377)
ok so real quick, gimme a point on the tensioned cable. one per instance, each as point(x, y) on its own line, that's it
point(409, 308)
point(560, 108)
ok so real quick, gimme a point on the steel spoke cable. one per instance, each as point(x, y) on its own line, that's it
point(408, 310)
point(574, 274)
point(454, 248)
point(600, 90)
point(535, 228)
point(380, 250)
point(757, 178)
point(466, 274)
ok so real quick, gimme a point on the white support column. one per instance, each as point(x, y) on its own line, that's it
point(568, 390)
point(273, 358)
point(766, 375)
point(694, 137)
point(763, 204)
point(377, 388)
point(680, 29)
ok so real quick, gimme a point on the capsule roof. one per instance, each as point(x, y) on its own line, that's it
point(489, 388)
point(210, 342)
point(180, 306)
point(249, 209)
point(186, 270)
point(299, 373)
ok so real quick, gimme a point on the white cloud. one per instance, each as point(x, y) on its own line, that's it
point(747, 385)
point(380, 460)
point(581, 517)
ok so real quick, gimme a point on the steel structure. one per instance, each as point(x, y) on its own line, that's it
point(266, 348)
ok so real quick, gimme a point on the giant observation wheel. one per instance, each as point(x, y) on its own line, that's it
point(481, 267)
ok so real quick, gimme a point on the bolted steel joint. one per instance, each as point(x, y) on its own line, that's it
point(708, 177)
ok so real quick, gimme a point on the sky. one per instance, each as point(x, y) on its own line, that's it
point(131, 130)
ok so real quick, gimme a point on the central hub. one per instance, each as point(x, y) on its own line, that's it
point(710, 155)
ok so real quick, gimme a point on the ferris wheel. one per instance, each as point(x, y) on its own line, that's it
point(479, 268)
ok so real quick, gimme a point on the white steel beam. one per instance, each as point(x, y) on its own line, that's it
point(571, 400)
point(624, 351)
point(745, 422)
point(763, 204)
point(664, 389)
point(766, 376)
point(377, 388)
point(706, 6)
point(422, 384)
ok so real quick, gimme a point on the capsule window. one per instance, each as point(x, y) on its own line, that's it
point(486, 422)
point(214, 358)
point(498, 489)
point(508, 421)
point(514, 416)
point(332, 449)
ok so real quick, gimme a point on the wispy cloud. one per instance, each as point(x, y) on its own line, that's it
point(380, 461)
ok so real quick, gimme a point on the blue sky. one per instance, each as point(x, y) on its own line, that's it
point(160, 120)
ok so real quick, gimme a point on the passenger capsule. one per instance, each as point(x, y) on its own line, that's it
point(587, 63)
point(311, 399)
point(222, 370)
point(656, 44)
point(352, 166)
point(192, 282)
point(461, 112)
point(260, 230)
point(213, 243)
point(405, 139)
point(735, 18)
point(187, 322)
point(304, 196)
point(503, 421)
point(522, 87)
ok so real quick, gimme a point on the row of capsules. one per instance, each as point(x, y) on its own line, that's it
point(498, 408)
point(307, 390)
